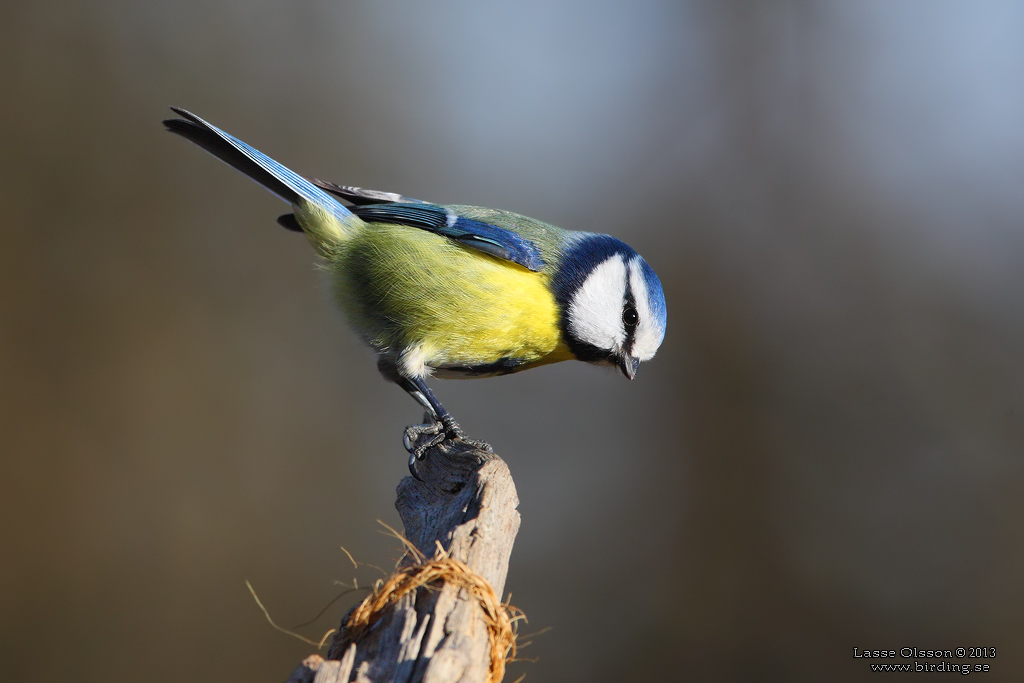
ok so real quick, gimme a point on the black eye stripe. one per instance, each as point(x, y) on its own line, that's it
point(630, 318)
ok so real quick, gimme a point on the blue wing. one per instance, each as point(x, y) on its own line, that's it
point(489, 239)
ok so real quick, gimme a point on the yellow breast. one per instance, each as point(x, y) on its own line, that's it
point(430, 301)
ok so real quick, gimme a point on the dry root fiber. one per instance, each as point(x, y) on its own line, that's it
point(501, 618)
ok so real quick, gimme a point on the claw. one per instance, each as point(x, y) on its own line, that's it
point(418, 446)
point(412, 467)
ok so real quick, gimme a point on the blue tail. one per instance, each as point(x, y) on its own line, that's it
point(283, 182)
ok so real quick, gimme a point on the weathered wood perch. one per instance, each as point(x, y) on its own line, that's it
point(467, 502)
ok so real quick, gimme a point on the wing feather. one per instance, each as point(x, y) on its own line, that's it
point(490, 239)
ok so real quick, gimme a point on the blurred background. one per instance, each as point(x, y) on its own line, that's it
point(825, 454)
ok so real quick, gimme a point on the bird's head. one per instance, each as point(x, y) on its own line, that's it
point(612, 304)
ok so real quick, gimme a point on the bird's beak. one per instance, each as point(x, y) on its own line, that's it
point(628, 365)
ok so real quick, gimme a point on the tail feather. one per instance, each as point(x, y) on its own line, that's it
point(280, 180)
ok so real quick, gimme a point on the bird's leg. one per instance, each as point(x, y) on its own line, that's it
point(440, 425)
point(436, 412)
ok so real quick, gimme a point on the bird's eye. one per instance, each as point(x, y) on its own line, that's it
point(630, 318)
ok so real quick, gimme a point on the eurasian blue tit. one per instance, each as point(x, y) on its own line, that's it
point(459, 291)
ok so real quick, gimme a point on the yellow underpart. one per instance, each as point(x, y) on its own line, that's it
point(412, 292)
point(324, 230)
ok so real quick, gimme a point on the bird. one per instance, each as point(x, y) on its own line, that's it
point(454, 291)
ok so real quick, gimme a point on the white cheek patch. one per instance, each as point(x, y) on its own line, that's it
point(595, 312)
point(649, 334)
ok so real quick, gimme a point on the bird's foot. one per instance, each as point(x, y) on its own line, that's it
point(419, 439)
point(453, 432)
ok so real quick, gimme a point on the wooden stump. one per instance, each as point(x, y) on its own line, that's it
point(467, 502)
